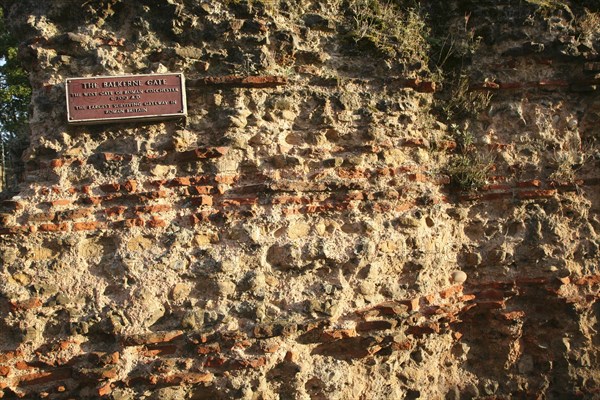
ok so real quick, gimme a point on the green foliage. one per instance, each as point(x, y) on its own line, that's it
point(393, 28)
point(469, 171)
point(15, 92)
point(15, 95)
point(463, 102)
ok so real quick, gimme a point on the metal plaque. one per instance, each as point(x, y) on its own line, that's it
point(106, 99)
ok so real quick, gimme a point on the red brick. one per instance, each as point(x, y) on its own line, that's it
point(418, 177)
point(426, 87)
point(10, 355)
point(352, 173)
point(34, 302)
point(87, 226)
point(154, 209)
point(61, 202)
point(156, 223)
point(202, 201)
point(402, 345)
point(181, 181)
point(451, 291)
point(226, 179)
point(588, 280)
point(496, 196)
point(214, 362)
point(146, 196)
point(413, 304)
point(57, 163)
point(535, 194)
point(130, 223)
point(4, 370)
point(22, 366)
point(209, 349)
point(116, 211)
point(239, 81)
point(45, 377)
point(414, 142)
point(54, 227)
point(129, 186)
point(105, 389)
point(336, 334)
point(291, 200)
point(531, 183)
point(252, 363)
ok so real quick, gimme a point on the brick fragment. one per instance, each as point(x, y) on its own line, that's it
point(251, 363)
point(105, 389)
point(54, 227)
point(116, 211)
point(45, 377)
point(60, 202)
point(4, 370)
point(24, 305)
point(180, 181)
point(57, 163)
point(10, 355)
point(129, 186)
point(336, 334)
point(536, 194)
point(87, 226)
point(202, 201)
point(530, 183)
point(209, 349)
point(153, 209)
point(156, 223)
point(256, 82)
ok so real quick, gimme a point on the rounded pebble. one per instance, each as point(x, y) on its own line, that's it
point(459, 277)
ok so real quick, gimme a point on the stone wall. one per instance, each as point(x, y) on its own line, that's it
point(337, 218)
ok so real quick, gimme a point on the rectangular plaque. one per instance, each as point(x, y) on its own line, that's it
point(104, 99)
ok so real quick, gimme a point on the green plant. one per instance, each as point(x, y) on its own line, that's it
point(394, 30)
point(15, 95)
point(589, 25)
point(463, 102)
point(469, 172)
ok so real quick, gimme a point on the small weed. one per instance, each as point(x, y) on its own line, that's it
point(589, 25)
point(568, 162)
point(464, 103)
point(394, 31)
point(469, 172)
point(546, 7)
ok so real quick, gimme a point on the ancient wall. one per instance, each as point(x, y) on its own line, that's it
point(306, 233)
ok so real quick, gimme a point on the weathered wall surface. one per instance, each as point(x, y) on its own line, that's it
point(297, 237)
